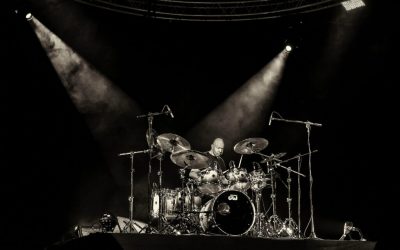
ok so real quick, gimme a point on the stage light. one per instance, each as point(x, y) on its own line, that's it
point(28, 16)
point(352, 4)
point(288, 48)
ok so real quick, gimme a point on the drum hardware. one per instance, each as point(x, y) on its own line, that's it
point(299, 158)
point(151, 135)
point(259, 229)
point(183, 222)
point(128, 227)
point(274, 223)
point(167, 142)
point(308, 125)
point(272, 157)
point(277, 226)
point(289, 225)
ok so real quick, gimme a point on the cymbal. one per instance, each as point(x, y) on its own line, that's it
point(250, 146)
point(172, 142)
point(272, 157)
point(190, 159)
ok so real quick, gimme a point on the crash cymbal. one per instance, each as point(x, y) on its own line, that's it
point(172, 142)
point(250, 146)
point(272, 157)
point(190, 159)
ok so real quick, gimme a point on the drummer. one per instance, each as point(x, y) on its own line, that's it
point(215, 160)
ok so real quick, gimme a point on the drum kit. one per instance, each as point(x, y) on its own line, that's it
point(229, 210)
point(217, 202)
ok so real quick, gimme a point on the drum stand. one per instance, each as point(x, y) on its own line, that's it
point(289, 225)
point(308, 125)
point(259, 230)
point(184, 223)
point(274, 222)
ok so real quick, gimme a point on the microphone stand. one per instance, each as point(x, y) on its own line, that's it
point(308, 127)
point(131, 197)
point(151, 142)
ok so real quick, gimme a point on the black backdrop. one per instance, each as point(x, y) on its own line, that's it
point(343, 74)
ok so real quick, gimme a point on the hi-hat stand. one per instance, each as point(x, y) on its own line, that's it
point(308, 125)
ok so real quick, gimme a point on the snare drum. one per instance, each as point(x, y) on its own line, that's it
point(210, 181)
point(238, 179)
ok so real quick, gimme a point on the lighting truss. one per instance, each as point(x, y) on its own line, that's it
point(212, 10)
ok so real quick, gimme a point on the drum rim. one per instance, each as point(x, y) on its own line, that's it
point(252, 205)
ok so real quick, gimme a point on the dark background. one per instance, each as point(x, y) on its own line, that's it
point(342, 74)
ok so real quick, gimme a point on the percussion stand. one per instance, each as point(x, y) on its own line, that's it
point(161, 193)
point(259, 216)
point(182, 217)
point(275, 223)
point(289, 225)
point(308, 127)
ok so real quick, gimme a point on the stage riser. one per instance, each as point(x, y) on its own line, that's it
point(105, 241)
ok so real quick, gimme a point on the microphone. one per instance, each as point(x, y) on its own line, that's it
point(169, 111)
point(270, 118)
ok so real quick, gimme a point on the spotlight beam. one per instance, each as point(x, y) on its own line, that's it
point(243, 111)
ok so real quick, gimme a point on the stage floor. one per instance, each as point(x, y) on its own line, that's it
point(111, 241)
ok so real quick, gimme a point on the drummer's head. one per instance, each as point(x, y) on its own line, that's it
point(217, 147)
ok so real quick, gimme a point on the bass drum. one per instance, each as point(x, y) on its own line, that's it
point(230, 212)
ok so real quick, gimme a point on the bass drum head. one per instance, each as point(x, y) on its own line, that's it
point(231, 212)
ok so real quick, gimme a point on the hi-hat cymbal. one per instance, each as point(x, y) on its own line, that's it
point(172, 142)
point(272, 157)
point(190, 159)
point(250, 146)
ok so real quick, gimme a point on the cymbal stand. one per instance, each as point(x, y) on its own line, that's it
point(128, 227)
point(150, 136)
point(299, 235)
point(289, 225)
point(259, 225)
point(161, 194)
point(308, 127)
point(274, 222)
